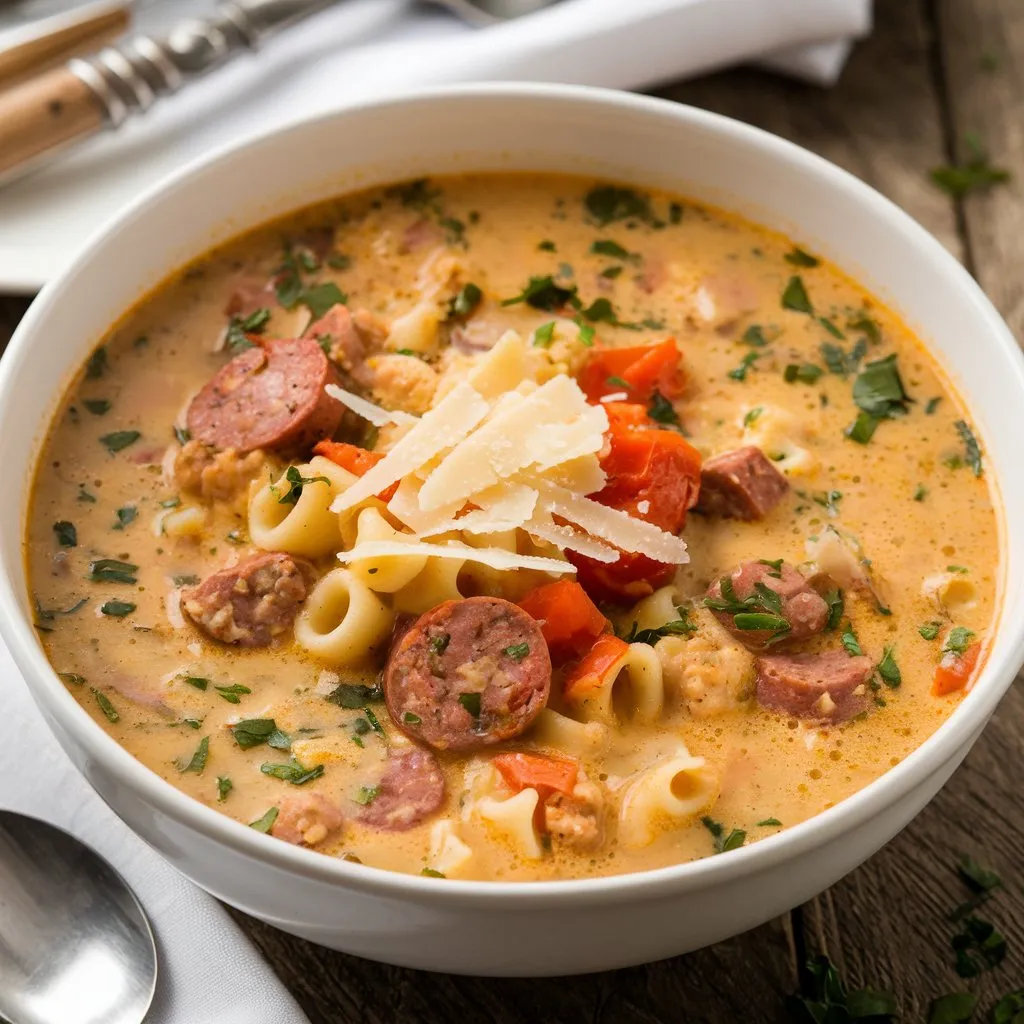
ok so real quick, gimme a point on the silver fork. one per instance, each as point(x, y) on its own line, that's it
point(89, 95)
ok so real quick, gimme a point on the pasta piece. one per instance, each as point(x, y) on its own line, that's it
point(448, 853)
point(554, 731)
point(415, 330)
point(402, 382)
point(342, 620)
point(307, 527)
point(654, 610)
point(335, 747)
point(502, 369)
point(783, 438)
point(189, 521)
point(840, 557)
point(513, 818)
point(627, 688)
point(388, 574)
point(441, 428)
point(952, 593)
point(436, 583)
point(667, 795)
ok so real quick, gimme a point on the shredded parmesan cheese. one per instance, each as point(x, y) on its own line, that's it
point(493, 557)
point(376, 415)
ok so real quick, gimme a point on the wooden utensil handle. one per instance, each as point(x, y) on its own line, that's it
point(43, 115)
point(56, 39)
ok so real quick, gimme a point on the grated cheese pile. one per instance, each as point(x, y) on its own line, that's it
point(517, 454)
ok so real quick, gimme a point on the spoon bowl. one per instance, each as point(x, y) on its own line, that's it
point(75, 944)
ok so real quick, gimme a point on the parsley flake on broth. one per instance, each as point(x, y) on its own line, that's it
point(699, 337)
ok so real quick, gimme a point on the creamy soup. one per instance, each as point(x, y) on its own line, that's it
point(514, 527)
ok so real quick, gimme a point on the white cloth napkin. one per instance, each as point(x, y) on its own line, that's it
point(364, 48)
point(209, 972)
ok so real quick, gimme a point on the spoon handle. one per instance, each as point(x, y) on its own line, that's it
point(87, 95)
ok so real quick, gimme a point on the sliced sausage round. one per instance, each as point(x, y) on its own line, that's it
point(798, 604)
point(740, 484)
point(270, 396)
point(249, 603)
point(306, 819)
point(410, 790)
point(829, 687)
point(468, 674)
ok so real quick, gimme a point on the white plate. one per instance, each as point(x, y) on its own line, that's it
point(364, 48)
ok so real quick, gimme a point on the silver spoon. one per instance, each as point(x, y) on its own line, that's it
point(75, 945)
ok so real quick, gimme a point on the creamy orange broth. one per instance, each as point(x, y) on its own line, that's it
point(906, 496)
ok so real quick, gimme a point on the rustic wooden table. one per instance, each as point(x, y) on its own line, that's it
point(933, 72)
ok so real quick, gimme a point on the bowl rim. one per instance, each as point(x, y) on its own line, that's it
point(956, 731)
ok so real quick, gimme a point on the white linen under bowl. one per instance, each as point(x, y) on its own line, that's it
point(489, 927)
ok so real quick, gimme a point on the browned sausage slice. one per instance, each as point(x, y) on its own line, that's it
point(250, 603)
point(798, 603)
point(468, 674)
point(411, 789)
point(741, 484)
point(270, 396)
point(829, 687)
point(306, 819)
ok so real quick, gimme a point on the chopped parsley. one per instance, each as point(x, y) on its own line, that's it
point(978, 947)
point(233, 693)
point(863, 428)
point(931, 405)
point(954, 1008)
point(617, 382)
point(841, 362)
point(182, 435)
point(471, 703)
point(433, 873)
point(265, 823)
point(292, 772)
point(889, 670)
point(354, 696)
point(544, 335)
point(224, 786)
point(834, 599)
point(197, 681)
point(117, 609)
point(754, 336)
point(770, 823)
point(830, 326)
point(543, 293)
point(676, 627)
point(67, 535)
point(972, 450)
point(517, 651)
point(374, 722)
point(125, 517)
point(799, 258)
point(410, 719)
point(804, 373)
point(661, 410)
point(879, 393)
point(296, 481)
point(602, 311)
point(827, 999)
point(724, 842)
point(465, 302)
point(252, 732)
point(72, 677)
point(973, 174)
point(119, 440)
point(609, 203)
point(97, 406)
point(97, 364)
point(108, 709)
point(750, 417)
point(197, 763)
point(850, 642)
point(795, 296)
point(367, 794)
point(606, 247)
point(112, 570)
point(920, 492)
point(929, 630)
point(740, 372)
point(439, 644)
point(84, 495)
point(958, 640)
point(547, 246)
point(319, 298)
point(49, 614)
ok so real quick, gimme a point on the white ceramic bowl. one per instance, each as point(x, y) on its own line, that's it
point(489, 927)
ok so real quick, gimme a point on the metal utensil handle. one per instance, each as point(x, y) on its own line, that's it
point(130, 77)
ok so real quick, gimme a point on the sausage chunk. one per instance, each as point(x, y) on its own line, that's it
point(250, 603)
point(411, 789)
point(306, 819)
point(798, 603)
point(741, 484)
point(468, 674)
point(270, 396)
point(830, 687)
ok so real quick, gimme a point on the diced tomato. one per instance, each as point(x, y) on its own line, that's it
point(598, 661)
point(541, 772)
point(638, 371)
point(653, 475)
point(355, 459)
point(953, 672)
point(569, 620)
